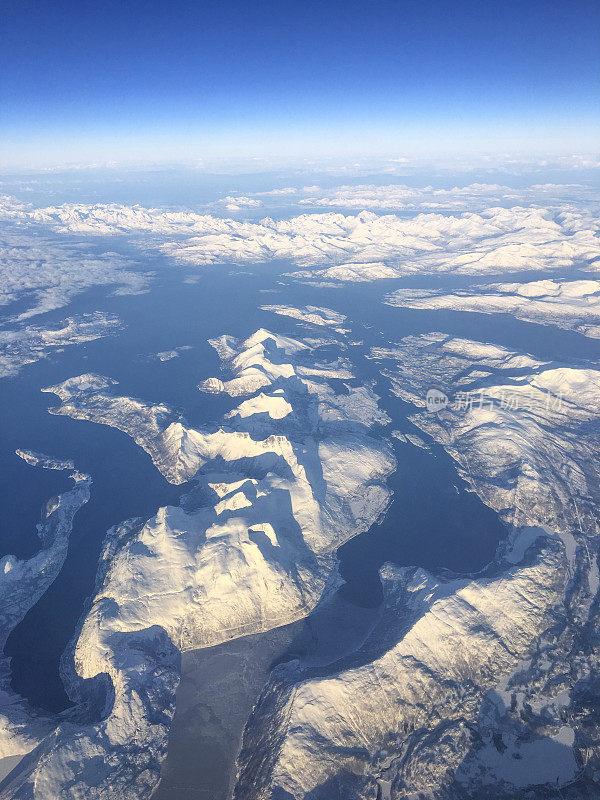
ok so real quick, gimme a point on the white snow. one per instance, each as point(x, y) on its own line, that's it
point(405, 716)
point(451, 648)
point(572, 305)
point(204, 577)
point(22, 583)
point(274, 406)
point(259, 554)
point(316, 315)
point(365, 246)
point(26, 345)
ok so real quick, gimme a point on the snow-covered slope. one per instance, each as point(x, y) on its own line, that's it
point(292, 476)
point(463, 686)
point(111, 743)
point(251, 548)
point(477, 687)
point(402, 721)
point(315, 315)
point(22, 583)
point(572, 305)
point(357, 247)
point(523, 433)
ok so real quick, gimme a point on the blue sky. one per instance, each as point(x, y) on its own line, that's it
point(91, 81)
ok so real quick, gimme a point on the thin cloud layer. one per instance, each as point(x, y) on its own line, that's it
point(472, 197)
point(34, 343)
point(51, 273)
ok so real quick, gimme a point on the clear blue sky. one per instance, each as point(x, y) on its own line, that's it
point(144, 79)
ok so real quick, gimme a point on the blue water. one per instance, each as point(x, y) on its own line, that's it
point(433, 522)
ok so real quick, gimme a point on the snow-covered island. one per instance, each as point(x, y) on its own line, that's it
point(573, 305)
